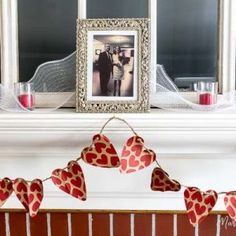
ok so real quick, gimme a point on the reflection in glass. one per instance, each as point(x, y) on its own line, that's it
point(187, 40)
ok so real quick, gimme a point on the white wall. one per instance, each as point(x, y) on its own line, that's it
point(196, 149)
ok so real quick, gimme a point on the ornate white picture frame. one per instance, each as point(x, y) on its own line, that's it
point(135, 96)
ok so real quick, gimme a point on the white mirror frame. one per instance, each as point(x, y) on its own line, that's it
point(9, 70)
point(9, 32)
point(228, 45)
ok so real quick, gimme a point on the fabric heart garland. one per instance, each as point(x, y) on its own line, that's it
point(101, 153)
point(135, 156)
point(71, 181)
point(30, 194)
point(162, 182)
point(199, 204)
point(230, 204)
point(6, 190)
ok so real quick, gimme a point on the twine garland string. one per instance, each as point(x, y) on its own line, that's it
point(120, 119)
point(147, 149)
point(136, 134)
point(144, 150)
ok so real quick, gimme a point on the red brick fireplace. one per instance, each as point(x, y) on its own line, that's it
point(99, 223)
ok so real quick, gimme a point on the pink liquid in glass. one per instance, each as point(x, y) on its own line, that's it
point(206, 99)
point(27, 101)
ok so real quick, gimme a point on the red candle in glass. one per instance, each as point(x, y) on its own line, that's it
point(27, 101)
point(207, 92)
point(25, 93)
point(206, 99)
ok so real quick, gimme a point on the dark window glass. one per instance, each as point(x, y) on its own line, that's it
point(187, 37)
point(47, 31)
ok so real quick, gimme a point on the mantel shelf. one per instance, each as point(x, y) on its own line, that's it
point(156, 120)
point(187, 144)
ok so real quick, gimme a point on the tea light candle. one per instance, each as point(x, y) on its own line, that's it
point(27, 101)
point(25, 93)
point(207, 93)
point(206, 99)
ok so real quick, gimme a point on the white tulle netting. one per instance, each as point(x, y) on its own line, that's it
point(59, 76)
point(165, 95)
point(52, 77)
point(56, 76)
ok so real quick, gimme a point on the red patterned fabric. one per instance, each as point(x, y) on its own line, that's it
point(199, 204)
point(6, 190)
point(30, 194)
point(162, 182)
point(230, 204)
point(101, 154)
point(71, 181)
point(135, 156)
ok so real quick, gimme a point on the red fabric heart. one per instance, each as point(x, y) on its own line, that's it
point(71, 181)
point(102, 153)
point(230, 204)
point(6, 190)
point(199, 204)
point(135, 156)
point(162, 182)
point(30, 194)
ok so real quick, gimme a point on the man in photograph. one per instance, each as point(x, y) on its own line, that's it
point(105, 69)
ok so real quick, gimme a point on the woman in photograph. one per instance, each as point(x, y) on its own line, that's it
point(118, 69)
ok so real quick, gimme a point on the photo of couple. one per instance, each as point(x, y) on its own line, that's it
point(113, 66)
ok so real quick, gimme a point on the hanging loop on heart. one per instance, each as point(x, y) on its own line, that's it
point(120, 119)
point(132, 129)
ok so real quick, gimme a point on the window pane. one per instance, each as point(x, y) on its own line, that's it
point(117, 9)
point(47, 31)
point(187, 37)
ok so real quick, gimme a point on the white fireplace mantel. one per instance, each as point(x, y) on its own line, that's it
point(196, 149)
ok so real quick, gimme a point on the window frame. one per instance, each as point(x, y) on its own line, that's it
point(10, 54)
point(226, 44)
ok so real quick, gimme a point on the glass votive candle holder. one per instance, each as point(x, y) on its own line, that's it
point(25, 93)
point(207, 92)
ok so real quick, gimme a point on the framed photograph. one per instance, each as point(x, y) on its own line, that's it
point(113, 65)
